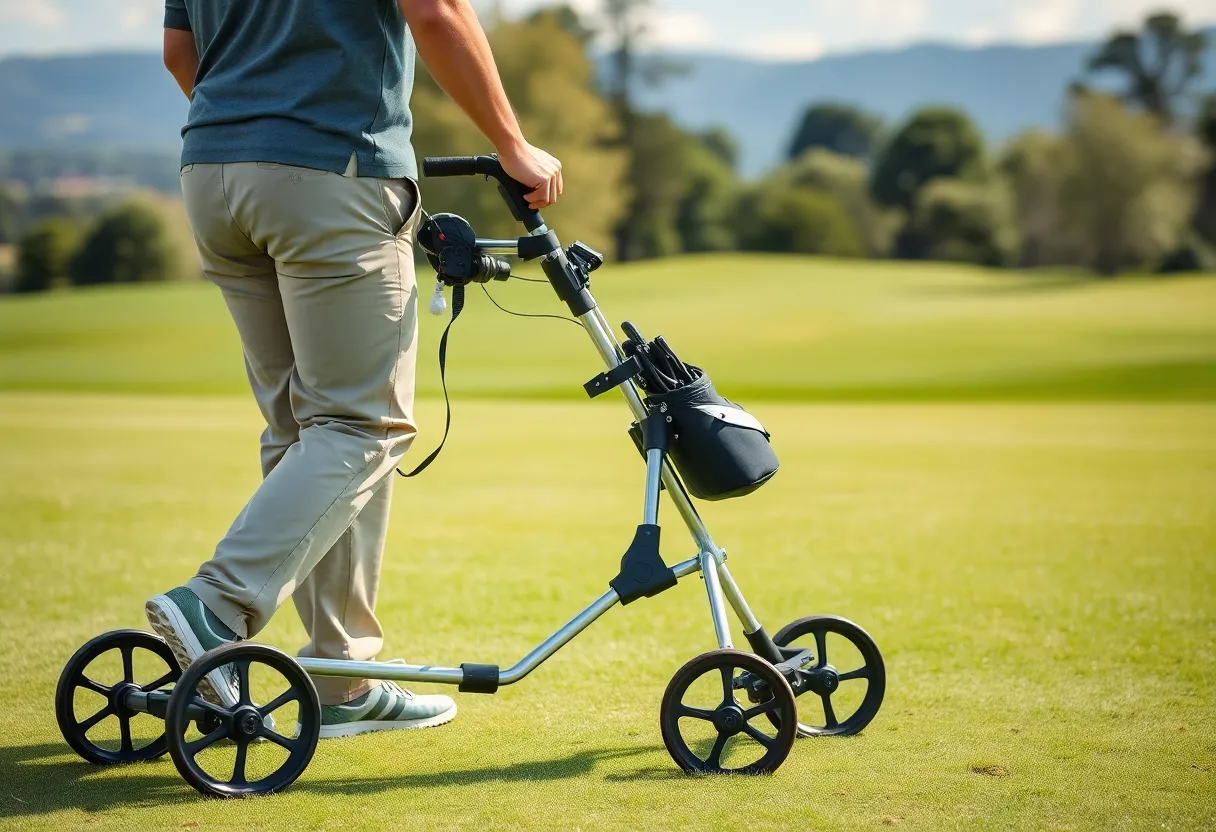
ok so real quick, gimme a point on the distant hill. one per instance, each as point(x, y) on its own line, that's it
point(128, 101)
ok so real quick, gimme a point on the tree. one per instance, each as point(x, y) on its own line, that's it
point(847, 179)
point(840, 128)
point(705, 212)
point(1128, 188)
point(721, 144)
point(801, 220)
point(935, 143)
point(10, 217)
point(968, 222)
point(1159, 63)
point(129, 245)
point(1033, 165)
point(552, 85)
point(1205, 130)
point(44, 253)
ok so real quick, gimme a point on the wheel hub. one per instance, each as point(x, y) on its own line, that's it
point(728, 719)
point(824, 679)
point(118, 698)
point(247, 723)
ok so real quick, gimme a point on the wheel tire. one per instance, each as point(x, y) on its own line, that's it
point(243, 724)
point(819, 626)
point(726, 717)
point(73, 676)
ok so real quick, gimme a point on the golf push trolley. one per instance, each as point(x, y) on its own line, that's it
point(745, 717)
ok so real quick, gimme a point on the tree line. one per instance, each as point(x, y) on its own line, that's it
point(1128, 183)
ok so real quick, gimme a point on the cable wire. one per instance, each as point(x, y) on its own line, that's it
point(528, 314)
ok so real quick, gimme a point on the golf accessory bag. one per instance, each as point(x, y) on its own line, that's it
point(720, 450)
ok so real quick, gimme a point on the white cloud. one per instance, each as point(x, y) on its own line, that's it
point(789, 45)
point(134, 16)
point(681, 30)
point(1043, 21)
point(42, 14)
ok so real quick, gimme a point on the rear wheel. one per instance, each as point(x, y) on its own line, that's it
point(841, 690)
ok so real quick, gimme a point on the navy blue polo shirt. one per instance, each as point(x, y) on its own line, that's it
point(300, 82)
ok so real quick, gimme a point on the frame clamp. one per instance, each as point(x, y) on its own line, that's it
point(643, 573)
point(614, 378)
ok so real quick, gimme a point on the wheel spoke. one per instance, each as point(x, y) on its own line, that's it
point(759, 736)
point(278, 739)
point(828, 712)
point(238, 767)
point(84, 727)
point(763, 708)
point(728, 685)
point(242, 673)
point(124, 730)
point(192, 748)
point(128, 663)
point(279, 701)
point(159, 683)
point(714, 760)
point(862, 672)
point(695, 713)
point(96, 687)
point(210, 707)
point(821, 645)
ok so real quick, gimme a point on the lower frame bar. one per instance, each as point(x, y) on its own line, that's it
point(401, 672)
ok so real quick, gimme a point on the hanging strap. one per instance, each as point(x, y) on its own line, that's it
point(457, 308)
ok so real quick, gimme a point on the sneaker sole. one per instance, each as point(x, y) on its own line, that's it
point(167, 620)
point(350, 729)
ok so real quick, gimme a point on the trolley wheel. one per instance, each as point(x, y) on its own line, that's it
point(824, 680)
point(719, 721)
point(244, 725)
point(77, 674)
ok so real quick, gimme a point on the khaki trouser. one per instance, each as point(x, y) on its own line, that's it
point(317, 270)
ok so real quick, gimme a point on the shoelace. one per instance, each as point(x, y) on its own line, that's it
point(395, 688)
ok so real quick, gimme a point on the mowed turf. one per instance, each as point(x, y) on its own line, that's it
point(768, 327)
point(1040, 578)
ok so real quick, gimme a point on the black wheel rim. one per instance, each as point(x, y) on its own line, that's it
point(732, 718)
point(822, 680)
point(77, 675)
point(244, 725)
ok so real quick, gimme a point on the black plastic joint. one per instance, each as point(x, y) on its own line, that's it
point(764, 647)
point(643, 573)
point(613, 378)
point(479, 678)
point(534, 246)
point(656, 432)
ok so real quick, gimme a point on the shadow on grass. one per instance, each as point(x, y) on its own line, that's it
point(40, 779)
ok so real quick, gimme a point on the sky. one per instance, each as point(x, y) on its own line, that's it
point(763, 29)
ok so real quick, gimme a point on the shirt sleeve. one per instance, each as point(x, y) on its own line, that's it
point(176, 16)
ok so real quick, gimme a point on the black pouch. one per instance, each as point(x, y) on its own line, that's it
point(720, 450)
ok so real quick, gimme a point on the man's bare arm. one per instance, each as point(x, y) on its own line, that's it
point(181, 58)
point(451, 42)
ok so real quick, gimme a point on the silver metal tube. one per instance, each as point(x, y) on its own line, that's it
point(390, 671)
point(735, 597)
point(601, 334)
point(498, 246)
point(717, 607)
point(654, 474)
point(556, 641)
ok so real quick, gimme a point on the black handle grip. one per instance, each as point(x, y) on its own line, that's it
point(513, 193)
point(449, 166)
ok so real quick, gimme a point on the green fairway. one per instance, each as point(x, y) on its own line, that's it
point(768, 327)
point(1040, 577)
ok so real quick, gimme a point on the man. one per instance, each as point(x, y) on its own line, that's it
point(299, 182)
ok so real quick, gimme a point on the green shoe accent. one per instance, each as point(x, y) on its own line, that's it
point(386, 707)
point(190, 630)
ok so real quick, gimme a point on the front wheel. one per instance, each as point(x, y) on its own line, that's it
point(259, 759)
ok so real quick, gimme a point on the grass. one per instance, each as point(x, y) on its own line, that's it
point(1040, 578)
point(1008, 480)
point(777, 328)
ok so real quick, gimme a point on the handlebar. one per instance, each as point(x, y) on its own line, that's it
point(513, 193)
